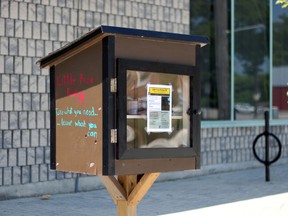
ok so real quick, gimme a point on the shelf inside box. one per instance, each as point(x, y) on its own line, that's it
point(145, 117)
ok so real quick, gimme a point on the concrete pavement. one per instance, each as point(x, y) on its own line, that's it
point(243, 192)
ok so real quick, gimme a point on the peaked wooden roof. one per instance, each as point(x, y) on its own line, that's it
point(102, 31)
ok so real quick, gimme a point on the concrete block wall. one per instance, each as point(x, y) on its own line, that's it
point(226, 146)
point(29, 30)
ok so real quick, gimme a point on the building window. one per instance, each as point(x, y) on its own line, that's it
point(210, 18)
point(244, 68)
point(280, 63)
point(251, 59)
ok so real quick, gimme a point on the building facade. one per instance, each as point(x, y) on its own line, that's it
point(231, 109)
point(244, 74)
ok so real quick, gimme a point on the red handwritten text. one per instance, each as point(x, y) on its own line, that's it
point(85, 80)
point(72, 83)
point(65, 80)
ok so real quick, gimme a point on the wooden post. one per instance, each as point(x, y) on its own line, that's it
point(128, 183)
point(127, 192)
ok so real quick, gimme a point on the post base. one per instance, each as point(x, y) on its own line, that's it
point(128, 191)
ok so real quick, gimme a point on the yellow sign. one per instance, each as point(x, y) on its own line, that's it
point(160, 91)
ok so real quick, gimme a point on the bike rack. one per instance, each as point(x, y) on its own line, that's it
point(267, 162)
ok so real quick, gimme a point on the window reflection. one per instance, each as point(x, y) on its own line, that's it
point(137, 135)
point(280, 63)
point(211, 18)
point(251, 73)
point(251, 59)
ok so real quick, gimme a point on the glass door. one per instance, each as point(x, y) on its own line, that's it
point(154, 103)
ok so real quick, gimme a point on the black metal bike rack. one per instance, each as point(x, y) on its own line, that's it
point(267, 162)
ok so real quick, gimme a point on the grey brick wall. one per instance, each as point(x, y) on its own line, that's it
point(31, 29)
point(232, 145)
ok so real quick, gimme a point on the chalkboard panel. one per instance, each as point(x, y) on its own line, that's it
point(78, 112)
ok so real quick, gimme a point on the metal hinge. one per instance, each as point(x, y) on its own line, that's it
point(113, 85)
point(113, 135)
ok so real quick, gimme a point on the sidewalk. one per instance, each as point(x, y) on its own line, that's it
point(242, 192)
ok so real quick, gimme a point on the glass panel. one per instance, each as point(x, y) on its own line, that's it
point(280, 63)
point(210, 18)
point(251, 59)
point(141, 135)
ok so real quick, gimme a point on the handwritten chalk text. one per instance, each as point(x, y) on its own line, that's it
point(76, 118)
point(73, 83)
point(67, 111)
point(70, 79)
point(80, 124)
point(66, 123)
point(90, 112)
point(92, 134)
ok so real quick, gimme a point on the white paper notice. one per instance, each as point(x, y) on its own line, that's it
point(159, 108)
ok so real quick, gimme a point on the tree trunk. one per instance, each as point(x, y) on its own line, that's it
point(222, 58)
